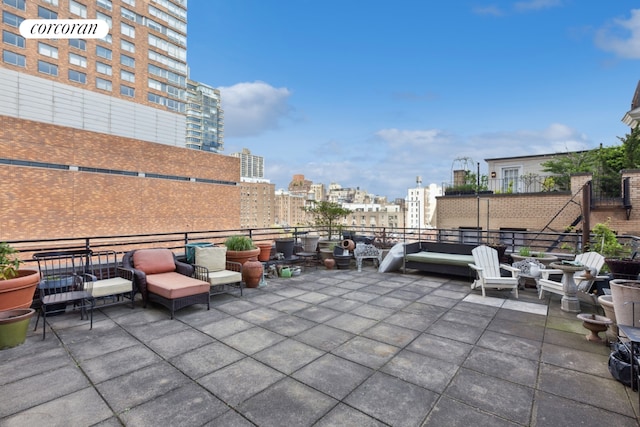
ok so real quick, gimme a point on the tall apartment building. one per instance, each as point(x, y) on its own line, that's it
point(251, 166)
point(131, 83)
point(205, 117)
point(92, 131)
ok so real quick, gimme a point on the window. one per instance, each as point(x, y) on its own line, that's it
point(105, 4)
point(78, 60)
point(18, 4)
point(510, 177)
point(14, 39)
point(127, 91)
point(77, 9)
point(47, 50)
point(127, 30)
point(154, 84)
point(103, 68)
point(127, 46)
point(127, 76)
point(103, 84)
point(11, 19)
point(13, 58)
point(45, 13)
point(127, 60)
point(47, 68)
point(77, 76)
point(51, 2)
point(103, 52)
point(128, 14)
point(105, 18)
point(130, 2)
point(78, 44)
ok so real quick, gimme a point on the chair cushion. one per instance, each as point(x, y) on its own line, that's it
point(214, 258)
point(154, 261)
point(106, 287)
point(224, 277)
point(175, 285)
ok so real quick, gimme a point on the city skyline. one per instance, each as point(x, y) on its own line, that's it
point(374, 96)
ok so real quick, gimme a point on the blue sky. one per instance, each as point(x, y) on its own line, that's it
point(372, 93)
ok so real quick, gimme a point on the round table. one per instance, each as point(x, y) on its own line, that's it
point(570, 301)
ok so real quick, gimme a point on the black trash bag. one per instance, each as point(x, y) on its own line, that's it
point(620, 363)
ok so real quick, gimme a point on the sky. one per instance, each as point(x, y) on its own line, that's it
point(372, 93)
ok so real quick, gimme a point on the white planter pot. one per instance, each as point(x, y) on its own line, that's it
point(623, 292)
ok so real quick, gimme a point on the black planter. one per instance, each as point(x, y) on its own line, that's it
point(285, 246)
point(624, 268)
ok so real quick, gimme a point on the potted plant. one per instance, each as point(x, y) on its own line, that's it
point(17, 287)
point(240, 248)
point(285, 244)
point(622, 264)
point(325, 215)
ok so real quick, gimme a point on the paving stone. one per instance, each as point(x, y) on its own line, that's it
point(288, 325)
point(291, 292)
point(266, 299)
point(351, 323)
point(318, 314)
point(441, 348)
point(226, 327)
point(523, 330)
point(313, 297)
point(584, 388)
point(204, 360)
point(428, 372)
point(341, 304)
point(237, 307)
point(252, 340)
point(457, 331)
point(511, 344)
point(260, 315)
point(361, 296)
point(173, 345)
point(582, 361)
point(451, 292)
point(503, 365)
point(417, 322)
point(287, 403)
point(334, 291)
point(143, 385)
point(366, 351)
point(392, 400)
point(156, 329)
point(38, 360)
point(551, 411)
point(451, 413)
point(288, 356)
point(87, 346)
point(343, 415)
point(502, 398)
point(372, 312)
point(333, 375)
point(389, 302)
point(114, 364)
point(290, 305)
point(230, 419)
point(466, 318)
point(391, 334)
point(324, 337)
point(236, 383)
point(188, 405)
point(573, 340)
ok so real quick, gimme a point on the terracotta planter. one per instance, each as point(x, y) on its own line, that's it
point(329, 263)
point(252, 272)
point(623, 291)
point(13, 326)
point(265, 251)
point(242, 256)
point(18, 292)
point(348, 245)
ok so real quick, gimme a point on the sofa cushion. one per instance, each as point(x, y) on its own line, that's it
point(106, 287)
point(214, 258)
point(440, 258)
point(224, 277)
point(154, 261)
point(175, 285)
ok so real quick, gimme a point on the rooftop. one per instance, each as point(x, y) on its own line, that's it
point(329, 347)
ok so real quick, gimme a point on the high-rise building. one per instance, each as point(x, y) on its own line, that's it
point(205, 118)
point(131, 83)
point(251, 166)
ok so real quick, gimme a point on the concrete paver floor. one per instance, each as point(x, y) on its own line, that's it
point(327, 348)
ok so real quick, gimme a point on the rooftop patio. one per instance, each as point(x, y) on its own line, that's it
point(329, 347)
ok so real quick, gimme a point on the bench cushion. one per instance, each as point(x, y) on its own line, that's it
point(106, 287)
point(175, 285)
point(440, 258)
point(224, 277)
point(153, 261)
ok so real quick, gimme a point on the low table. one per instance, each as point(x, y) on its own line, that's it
point(309, 259)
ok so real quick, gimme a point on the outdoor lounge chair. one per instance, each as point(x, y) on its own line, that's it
point(488, 267)
point(211, 265)
point(162, 279)
point(591, 260)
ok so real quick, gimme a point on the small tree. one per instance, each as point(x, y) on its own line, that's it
point(326, 213)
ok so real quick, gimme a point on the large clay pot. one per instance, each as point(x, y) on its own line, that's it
point(242, 256)
point(329, 263)
point(18, 292)
point(265, 251)
point(622, 292)
point(310, 243)
point(252, 272)
point(606, 302)
point(13, 326)
point(348, 245)
point(285, 246)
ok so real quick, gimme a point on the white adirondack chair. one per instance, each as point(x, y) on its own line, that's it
point(488, 267)
point(593, 260)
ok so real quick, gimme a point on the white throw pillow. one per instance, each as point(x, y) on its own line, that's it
point(213, 257)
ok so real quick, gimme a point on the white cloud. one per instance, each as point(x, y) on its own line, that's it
point(252, 108)
point(622, 37)
point(491, 10)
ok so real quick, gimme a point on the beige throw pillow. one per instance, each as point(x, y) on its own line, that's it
point(214, 258)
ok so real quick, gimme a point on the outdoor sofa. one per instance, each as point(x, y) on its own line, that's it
point(438, 257)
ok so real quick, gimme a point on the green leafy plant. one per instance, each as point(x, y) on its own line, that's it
point(326, 214)
point(605, 241)
point(9, 262)
point(239, 243)
point(525, 251)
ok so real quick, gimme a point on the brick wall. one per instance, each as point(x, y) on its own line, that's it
point(39, 203)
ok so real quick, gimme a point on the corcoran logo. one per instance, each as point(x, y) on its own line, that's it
point(64, 28)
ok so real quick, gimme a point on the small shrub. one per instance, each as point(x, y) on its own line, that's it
point(239, 243)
